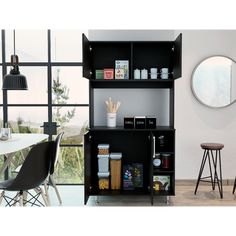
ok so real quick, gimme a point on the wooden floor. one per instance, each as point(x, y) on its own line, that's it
point(73, 195)
point(184, 197)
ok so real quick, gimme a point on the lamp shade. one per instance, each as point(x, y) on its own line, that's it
point(14, 81)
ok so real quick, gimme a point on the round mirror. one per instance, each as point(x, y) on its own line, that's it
point(214, 82)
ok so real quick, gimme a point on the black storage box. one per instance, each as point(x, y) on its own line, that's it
point(150, 123)
point(140, 122)
point(128, 122)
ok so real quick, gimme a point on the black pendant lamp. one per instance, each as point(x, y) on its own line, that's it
point(14, 80)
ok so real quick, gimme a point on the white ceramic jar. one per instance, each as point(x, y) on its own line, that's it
point(136, 74)
point(111, 119)
point(144, 74)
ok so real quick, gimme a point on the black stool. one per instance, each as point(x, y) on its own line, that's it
point(234, 185)
point(214, 178)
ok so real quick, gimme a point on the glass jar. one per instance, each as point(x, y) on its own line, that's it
point(157, 160)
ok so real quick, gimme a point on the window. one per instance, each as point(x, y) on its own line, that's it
point(57, 93)
point(31, 45)
point(66, 45)
point(37, 87)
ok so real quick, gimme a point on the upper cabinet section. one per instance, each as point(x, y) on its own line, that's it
point(141, 55)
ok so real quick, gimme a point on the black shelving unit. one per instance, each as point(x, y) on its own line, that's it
point(136, 145)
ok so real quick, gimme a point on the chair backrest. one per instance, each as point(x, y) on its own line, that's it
point(35, 168)
point(56, 152)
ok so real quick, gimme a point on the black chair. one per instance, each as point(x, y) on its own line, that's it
point(50, 181)
point(32, 174)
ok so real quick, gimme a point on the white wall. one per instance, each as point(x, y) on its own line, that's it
point(194, 122)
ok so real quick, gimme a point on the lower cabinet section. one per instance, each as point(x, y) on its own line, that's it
point(147, 165)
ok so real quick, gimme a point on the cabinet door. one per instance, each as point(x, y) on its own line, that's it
point(177, 70)
point(86, 58)
point(87, 166)
point(152, 155)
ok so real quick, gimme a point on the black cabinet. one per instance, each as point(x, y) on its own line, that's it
point(137, 146)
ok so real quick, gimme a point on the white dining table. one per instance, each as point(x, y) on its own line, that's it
point(16, 143)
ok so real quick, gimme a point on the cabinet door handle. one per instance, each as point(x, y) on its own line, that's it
point(154, 146)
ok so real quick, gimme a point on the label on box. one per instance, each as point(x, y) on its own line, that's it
point(123, 64)
point(119, 74)
point(108, 73)
point(138, 175)
point(128, 177)
point(161, 182)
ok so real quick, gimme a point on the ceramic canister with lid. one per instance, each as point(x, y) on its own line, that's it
point(144, 74)
point(136, 74)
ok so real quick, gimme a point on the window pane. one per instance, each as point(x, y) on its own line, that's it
point(1, 78)
point(73, 122)
point(69, 87)
point(1, 156)
point(0, 47)
point(31, 45)
point(27, 119)
point(1, 116)
point(37, 87)
point(66, 45)
point(70, 166)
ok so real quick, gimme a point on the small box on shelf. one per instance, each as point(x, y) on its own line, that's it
point(161, 182)
point(99, 74)
point(138, 175)
point(119, 74)
point(123, 64)
point(128, 122)
point(140, 122)
point(108, 73)
point(150, 122)
point(128, 177)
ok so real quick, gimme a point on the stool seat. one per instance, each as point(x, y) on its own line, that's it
point(212, 146)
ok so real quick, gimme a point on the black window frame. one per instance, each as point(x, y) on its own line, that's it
point(49, 64)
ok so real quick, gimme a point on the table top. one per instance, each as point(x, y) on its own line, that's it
point(20, 141)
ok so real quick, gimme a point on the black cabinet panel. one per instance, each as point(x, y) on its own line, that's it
point(105, 54)
point(87, 166)
point(153, 54)
point(86, 58)
point(177, 71)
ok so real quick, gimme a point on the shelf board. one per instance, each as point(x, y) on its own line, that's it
point(132, 83)
point(121, 128)
point(108, 192)
point(157, 171)
point(164, 193)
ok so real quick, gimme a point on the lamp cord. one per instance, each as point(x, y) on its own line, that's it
point(14, 36)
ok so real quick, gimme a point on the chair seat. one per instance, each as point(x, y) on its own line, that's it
point(5, 184)
point(212, 146)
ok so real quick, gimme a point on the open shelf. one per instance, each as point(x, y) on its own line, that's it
point(121, 128)
point(108, 192)
point(132, 83)
point(164, 193)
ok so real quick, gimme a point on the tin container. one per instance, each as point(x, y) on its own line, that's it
point(165, 161)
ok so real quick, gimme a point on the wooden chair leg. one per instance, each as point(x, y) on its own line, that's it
point(56, 190)
point(1, 196)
